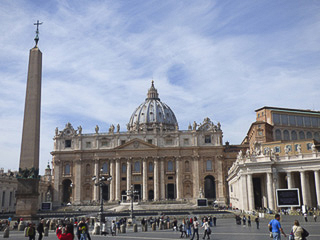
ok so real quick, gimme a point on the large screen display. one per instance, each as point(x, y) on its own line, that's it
point(288, 197)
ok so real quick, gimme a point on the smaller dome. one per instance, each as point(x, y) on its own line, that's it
point(153, 113)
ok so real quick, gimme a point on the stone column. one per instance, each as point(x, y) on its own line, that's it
point(144, 180)
point(317, 185)
point(220, 182)
point(156, 178)
point(250, 192)
point(96, 191)
point(56, 195)
point(244, 192)
point(305, 188)
point(270, 191)
point(162, 182)
point(129, 175)
point(77, 184)
point(289, 180)
point(118, 174)
point(196, 177)
point(178, 187)
point(112, 189)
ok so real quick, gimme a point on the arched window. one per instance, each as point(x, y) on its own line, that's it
point(137, 166)
point(123, 168)
point(294, 135)
point(105, 168)
point(278, 135)
point(150, 166)
point(67, 169)
point(187, 166)
point(209, 165)
point(309, 135)
point(88, 170)
point(316, 136)
point(302, 135)
point(286, 135)
point(170, 166)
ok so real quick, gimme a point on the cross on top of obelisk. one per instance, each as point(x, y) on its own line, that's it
point(36, 39)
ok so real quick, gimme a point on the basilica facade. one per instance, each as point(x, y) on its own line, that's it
point(160, 161)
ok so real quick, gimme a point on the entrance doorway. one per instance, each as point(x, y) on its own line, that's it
point(209, 187)
point(137, 187)
point(150, 195)
point(105, 193)
point(66, 191)
point(257, 193)
point(170, 191)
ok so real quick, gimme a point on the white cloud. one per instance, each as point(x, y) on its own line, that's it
point(210, 58)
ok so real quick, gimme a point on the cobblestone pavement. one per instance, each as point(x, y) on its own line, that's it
point(226, 229)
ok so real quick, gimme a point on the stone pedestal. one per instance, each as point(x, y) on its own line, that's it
point(27, 199)
point(135, 228)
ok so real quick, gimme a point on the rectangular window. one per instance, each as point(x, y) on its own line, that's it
point(276, 118)
point(123, 142)
point(170, 178)
point(207, 139)
point(104, 143)
point(299, 121)
point(67, 144)
point(307, 121)
point(277, 149)
point(296, 147)
point(309, 146)
point(284, 119)
point(123, 179)
point(292, 120)
point(314, 122)
point(88, 144)
point(150, 178)
point(289, 148)
point(186, 141)
point(169, 142)
point(150, 141)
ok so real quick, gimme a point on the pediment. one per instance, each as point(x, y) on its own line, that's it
point(135, 144)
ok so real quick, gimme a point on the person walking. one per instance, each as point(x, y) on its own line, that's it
point(249, 221)
point(195, 228)
point(296, 232)
point(257, 220)
point(183, 228)
point(276, 228)
point(315, 217)
point(305, 217)
point(244, 219)
point(188, 227)
point(207, 230)
point(40, 229)
point(31, 232)
point(214, 221)
point(68, 235)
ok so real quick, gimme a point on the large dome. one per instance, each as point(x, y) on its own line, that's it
point(153, 114)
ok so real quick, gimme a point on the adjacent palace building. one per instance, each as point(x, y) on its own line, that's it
point(283, 152)
point(160, 161)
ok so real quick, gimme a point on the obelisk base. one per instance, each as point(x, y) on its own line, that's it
point(27, 199)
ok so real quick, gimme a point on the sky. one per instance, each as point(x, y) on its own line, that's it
point(218, 59)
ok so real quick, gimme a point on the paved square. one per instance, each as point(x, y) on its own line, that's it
point(226, 229)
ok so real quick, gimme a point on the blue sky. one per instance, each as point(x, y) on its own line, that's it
point(216, 59)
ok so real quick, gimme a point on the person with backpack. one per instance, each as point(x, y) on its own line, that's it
point(207, 230)
point(183, 228)
point(297, 232)
point(275, 227)
point(31, 232)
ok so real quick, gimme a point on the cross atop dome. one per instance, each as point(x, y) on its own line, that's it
point(152, 92)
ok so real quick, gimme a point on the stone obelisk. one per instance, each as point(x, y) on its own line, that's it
point(28, 178)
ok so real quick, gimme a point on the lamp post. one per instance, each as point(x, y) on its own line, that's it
point(131, 193)
point(101, 181)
